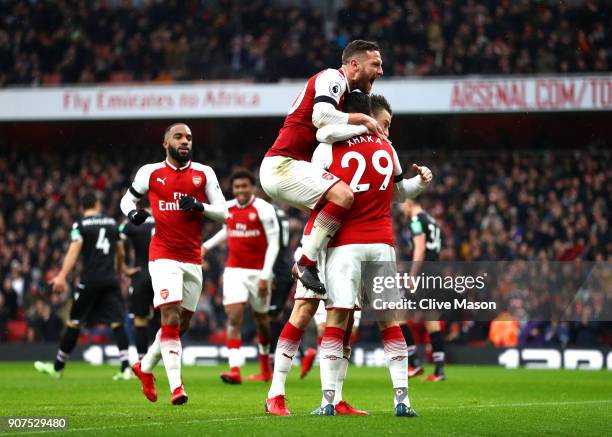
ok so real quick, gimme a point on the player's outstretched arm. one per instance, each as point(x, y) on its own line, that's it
point(411, 188)
point(216, 239)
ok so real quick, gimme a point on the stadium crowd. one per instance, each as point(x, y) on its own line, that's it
point(76, 41)
point(528, 205)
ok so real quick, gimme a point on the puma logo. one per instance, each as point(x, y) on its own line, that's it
point(162, 181)
point(288, 356)
point(174, 352)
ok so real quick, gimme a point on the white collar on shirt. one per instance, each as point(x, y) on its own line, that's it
point(348, 86)
point(174, 168)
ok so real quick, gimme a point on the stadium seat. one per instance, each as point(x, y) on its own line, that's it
point(17, 330)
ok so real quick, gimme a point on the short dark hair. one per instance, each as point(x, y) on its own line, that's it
point(357, 102)
point(243, 173)
point(357, 47)
point(89, 199)
point(169, 128)
point(379, 103)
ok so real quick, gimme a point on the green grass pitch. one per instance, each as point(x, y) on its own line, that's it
point(475, 400)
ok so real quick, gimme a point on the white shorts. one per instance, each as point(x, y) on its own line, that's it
point(240, 286)
point(343, 271)
point(298, 183)
point(175, 281)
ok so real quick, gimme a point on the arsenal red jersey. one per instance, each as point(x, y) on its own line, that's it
point(246, 233)
point(297, 138)
point(368, 165)
point(178, 234)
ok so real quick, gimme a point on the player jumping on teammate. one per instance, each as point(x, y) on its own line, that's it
point(286, 173)
point(306, 301)
point(181, 194)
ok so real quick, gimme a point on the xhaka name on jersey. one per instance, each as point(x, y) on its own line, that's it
point(363, 139)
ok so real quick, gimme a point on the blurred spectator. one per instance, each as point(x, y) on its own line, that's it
point(4, 318)
point(44, 324)
point(528, 205)
point(75, 41)
point(503, 332)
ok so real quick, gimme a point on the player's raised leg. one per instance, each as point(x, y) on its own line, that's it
point(328, 217)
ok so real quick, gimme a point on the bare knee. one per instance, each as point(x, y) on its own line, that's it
point(234, 316)
point(171, 315)
point(341, 194)
point(303, 312)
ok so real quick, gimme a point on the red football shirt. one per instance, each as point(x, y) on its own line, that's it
point(246, 233)
point(178, 234)
point(297, 138)
point(251, 231)
point(368, 165)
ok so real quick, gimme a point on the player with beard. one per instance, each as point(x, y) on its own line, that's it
point(286, 173)
point(182, 194)
point(372, 206)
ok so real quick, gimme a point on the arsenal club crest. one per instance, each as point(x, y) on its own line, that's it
point(252, 216)
point(164, 293)
point(197, 180)
point(327, 176)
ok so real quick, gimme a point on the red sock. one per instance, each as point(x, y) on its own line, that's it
point(393, 340)
point(264, 354)
point(289, 339)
